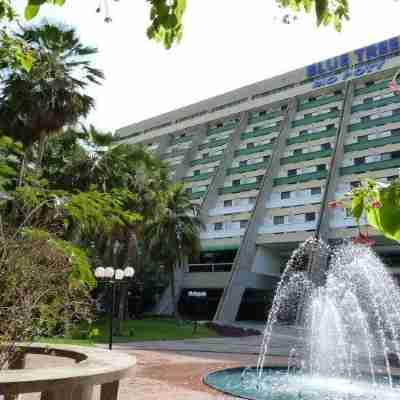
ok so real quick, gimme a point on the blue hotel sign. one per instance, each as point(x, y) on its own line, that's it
point(366, 59)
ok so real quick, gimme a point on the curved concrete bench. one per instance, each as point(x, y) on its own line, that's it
point(71, 382)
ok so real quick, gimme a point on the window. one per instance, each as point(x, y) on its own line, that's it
point(285, 195)
point(310, 216)
point(242, 163)
point(365, 118)
point(395, 132)
point(252, 200)
point(220, 125)
point(369, 83)
point(218, 226)
point(259, 178)
point(272, 140)
point(188, 190)
point(310, 99)
point(197, 172)
point(243, 224)
point(392, 178)
point(355, 184)
point(309, 115)
point(303, 132)
point(292, 172)
point(395, 154)
point(262, 113)
point(337, 92)
point(368, 100)
point(283, 107)
point(333, 109)
point(149, 144)
point(359, 160)
point(296, 152)
point(228, 203)
point(315, 191)
point(182, 135)
point(236, 182)
point(326, 146)
point(330, 126)
point(265, 158)
point(206, 155)
point(396, 111)
point(279, 219)
point(249, 145)
point(321, 167)
point(363, 138)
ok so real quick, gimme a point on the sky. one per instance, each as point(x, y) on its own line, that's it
point(227, 44)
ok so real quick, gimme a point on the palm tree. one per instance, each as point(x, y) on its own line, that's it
point(38, 103)
point(174, 234)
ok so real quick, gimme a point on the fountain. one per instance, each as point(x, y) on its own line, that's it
point(350, 314)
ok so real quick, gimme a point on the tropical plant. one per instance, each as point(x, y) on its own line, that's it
point(173, 235)
point(379, 203)
point(41, 101)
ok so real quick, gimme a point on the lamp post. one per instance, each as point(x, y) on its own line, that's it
point(113, 277)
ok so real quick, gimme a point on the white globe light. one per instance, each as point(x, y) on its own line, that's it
point(109, 272)
point(99, 272)
point(129, 272)
point(119, 274)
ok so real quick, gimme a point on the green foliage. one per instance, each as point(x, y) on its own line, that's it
point(380, 203)
point(327, 11)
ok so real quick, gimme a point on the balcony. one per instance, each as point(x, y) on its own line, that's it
point(227, 127)
point(285, 228)
point(301, 178)
point(312, 136)
point(254, 150)
point(230, 210)
point(184, 139)
point(373, 166)
point(318, 103)
point(239, 188)
point(200, 177)
point(376, 104)
point(222, 234)
point(248, 168)
point(373, 88)
point(306, 157)
point(295, 201)
point(371, 144)
point(198, 195)
point(375, 122)
point(216, 267)
point(317, 118)
point(259, 132)
point(207, 160)
point(271, 115)
point(213, 143)
point(339, 219)
point(175, 153)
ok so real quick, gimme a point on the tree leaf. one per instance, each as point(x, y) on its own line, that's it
point(31, 10)
point(321, 9)
point(357, 207)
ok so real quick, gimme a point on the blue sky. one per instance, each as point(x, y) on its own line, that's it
point(226, 44)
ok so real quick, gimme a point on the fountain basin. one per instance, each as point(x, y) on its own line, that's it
point(276, 384)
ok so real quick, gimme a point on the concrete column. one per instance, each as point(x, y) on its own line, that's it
point(211, 197)
point(182, 168)
point(83, 393)
point(60, 394)
point(228, 306)
point(164, 141)
point(334, 169)
point(18, 362)
point(109, 391)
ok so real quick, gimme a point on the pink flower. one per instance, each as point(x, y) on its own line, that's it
point(335, 204)
point(364, 240)
point(376, 204)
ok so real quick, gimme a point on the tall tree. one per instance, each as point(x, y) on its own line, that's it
point(174, 234)
point(41, 101)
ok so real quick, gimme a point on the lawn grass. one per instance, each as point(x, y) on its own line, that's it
point(146, 329)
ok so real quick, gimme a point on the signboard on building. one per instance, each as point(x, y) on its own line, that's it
point(354, 64)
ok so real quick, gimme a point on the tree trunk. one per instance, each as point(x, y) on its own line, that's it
point(42, 148)
point(173, 294)
point(22, 170)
